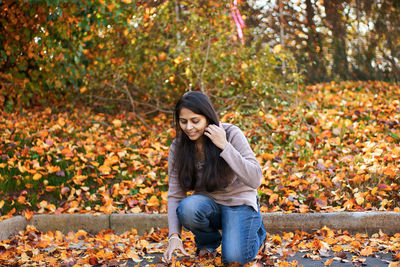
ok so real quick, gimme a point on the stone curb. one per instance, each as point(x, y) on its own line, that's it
point(363, 222)
point(11, 226)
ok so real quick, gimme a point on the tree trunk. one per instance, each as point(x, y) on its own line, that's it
point(316, 68)
point(334, 17)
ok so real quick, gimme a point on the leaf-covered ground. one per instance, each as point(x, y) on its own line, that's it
point(324, 247)
point(335, 149)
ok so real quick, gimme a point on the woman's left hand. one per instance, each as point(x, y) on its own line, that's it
point(217, 135)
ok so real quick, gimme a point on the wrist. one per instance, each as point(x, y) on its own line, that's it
point(224, 145)
point(175, 236)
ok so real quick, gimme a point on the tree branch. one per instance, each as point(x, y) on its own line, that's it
point(204, 66)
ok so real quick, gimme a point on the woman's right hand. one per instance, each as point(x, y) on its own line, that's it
point(174, 243)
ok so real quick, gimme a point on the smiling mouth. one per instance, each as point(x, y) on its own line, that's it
point(191, 134)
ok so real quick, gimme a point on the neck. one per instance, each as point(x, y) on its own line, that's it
point(199, 148)
point(199, 143)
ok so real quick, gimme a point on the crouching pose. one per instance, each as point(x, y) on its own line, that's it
point(214, 161)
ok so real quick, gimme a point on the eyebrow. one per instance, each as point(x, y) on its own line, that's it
point(192, 118)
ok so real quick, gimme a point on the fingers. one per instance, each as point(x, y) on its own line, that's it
point(171, 248)
point(168, 255)
point(183, 251)
point(212, 128)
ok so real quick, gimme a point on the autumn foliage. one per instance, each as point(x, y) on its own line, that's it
point(337, 149)
point(131, 55)
point(324, 247)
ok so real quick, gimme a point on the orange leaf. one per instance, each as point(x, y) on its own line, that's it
point(355, 244)
point(321, 202)
point(389, 172)
point(273, 198)
point(268, 156)
point(11, 212)
point(28, 214)
point(300, 142)
point(366, 251)
point(153, 202)
point(50, 188)
point(303, 208)
point(53, 169)
point(21, 200)
point(328, 262)
point(133, 255)
point(396, 257)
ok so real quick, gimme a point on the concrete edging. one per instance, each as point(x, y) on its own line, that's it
point(363, 222)
point(11, 226)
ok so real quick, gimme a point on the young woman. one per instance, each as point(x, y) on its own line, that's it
point(215, 162)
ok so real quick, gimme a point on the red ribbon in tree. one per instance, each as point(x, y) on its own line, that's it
point(238, 20)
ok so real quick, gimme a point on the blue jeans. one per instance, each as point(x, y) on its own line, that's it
point(242, 228)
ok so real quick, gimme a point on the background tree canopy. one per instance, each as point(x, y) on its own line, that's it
point(141, 55)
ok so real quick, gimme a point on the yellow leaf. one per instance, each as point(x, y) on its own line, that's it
point(277, 49)
point(133, 255)
point(53, 169)
point(359, 198)
point(276, 239)
point(144, 243)
point(117, 123)
point(337, 248)
point(43, 204)
point(37, 176)
point(373, 191)
point(61, 122)
point(104, 169)
point(127, 1)
point(83, 89)
point(178, 60)
point(1, 204)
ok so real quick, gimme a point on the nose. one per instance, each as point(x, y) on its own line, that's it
point(189, 126)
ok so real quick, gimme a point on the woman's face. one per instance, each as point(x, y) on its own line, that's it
point(192, 124)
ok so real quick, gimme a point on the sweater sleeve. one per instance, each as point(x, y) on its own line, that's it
point(175, 193)
point(240, 157)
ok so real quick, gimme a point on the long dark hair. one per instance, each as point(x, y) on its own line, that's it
point(216, 172)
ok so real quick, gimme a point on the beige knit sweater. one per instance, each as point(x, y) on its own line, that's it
point(242, 190)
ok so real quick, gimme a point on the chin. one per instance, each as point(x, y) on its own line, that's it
point(193, 138)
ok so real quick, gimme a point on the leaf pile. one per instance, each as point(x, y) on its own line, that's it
point(81, 162)
point(337, 149)
point(31, 247)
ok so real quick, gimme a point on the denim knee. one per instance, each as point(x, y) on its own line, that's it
point(198, 212)
point(239, 254)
